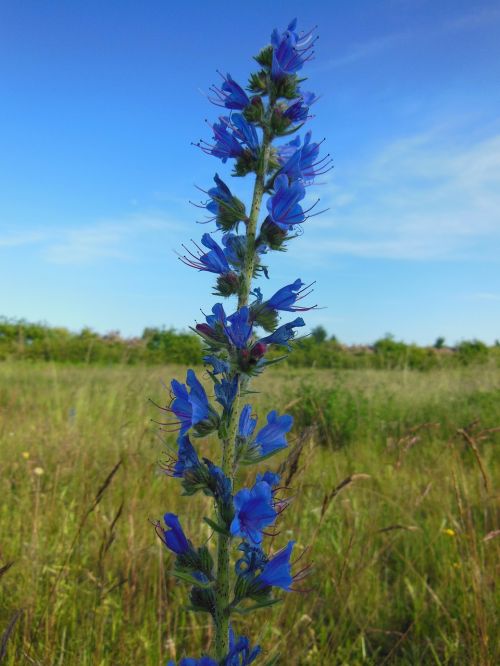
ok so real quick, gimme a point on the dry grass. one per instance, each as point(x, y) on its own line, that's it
point(402, 532)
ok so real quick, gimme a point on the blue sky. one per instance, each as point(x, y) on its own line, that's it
point(100, 104)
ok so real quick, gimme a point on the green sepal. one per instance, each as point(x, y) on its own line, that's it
point(292, 130)
point(264, 316)
point(255, 112)
point(286, 87)
point(202, 600)
point(265, 56)
point(230, 214)
point(245, 164)
point(228, 284)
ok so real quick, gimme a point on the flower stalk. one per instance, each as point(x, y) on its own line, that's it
point(243, 577)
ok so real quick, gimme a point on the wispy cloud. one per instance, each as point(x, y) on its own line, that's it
point(362, 50)
point(422, 197)
point(476, 19)
point(119, 239)
point(107, 239)
point(484, 296)
point(16, 239)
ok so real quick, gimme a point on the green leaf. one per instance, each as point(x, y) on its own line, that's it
point(250, 609)
point(215, 526)
point(188, 578)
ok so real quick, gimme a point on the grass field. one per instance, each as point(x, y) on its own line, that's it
point(404, 553)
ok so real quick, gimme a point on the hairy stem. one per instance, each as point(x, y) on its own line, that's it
point(222, 584)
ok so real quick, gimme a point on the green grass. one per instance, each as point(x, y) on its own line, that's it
point(402, 573)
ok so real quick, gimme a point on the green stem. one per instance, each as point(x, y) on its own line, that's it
point(223, 579)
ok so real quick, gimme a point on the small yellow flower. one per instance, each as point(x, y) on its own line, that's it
point(457, 565)
point(38, 471)
point(25, 454)
point(449, 532)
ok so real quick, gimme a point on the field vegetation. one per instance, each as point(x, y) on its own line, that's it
point(22, 340)
point(395, 473)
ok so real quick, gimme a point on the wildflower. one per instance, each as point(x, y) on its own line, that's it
point(290, 51)
point(284, 299)
point(219, 484)
point(39, 471)
point(283, 206)
point(173, 537)
point(226, 391)
point(246, 424)
point(227, 209)
point(218, 365)
point(302, 163)
point(449, 532)
point(25, 455)
point(238, 328)
point(282, 335)
point(240, 653)
point(213, 261)
point(253, 511)
point(226, 144)
point(230, 94)
point(191, 408)
point(245, 132)
point(213, 331)
point(271, 437)
point(187, 458)
point(271, 478)
point(254, 559)
point(277, 571)
point(298, 111)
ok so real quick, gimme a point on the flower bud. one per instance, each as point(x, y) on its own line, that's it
point(227, 284)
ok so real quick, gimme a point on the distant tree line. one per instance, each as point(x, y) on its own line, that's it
point(20, 339)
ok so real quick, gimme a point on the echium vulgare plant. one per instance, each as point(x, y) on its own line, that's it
point(242, 577)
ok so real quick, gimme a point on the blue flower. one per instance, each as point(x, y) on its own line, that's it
point(253, 511)
point(220, 195)
point(213, 261)
point(238, 328)
point(285, 298)
point(225, 392)
point(283, 334)
point(246, 424)
point(236, 247)
point(226, 144)
point(219, 366)
point(298, 111)
point(254, 559)
point(290, 51)
point(220, 484)
point(271, 478)
point(214, 328)
point(245, 132)
point(271, 437)
point(174, 538)
point(191, 408)
point(197, 399)
point(230, 94)
point(277, 571)
point(303, 162)
point(283, 206)
point(187, 457)
point(240, 653)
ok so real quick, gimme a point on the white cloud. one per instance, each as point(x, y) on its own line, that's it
point(108, 239)
point(421, 197)
point(24, 238)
